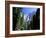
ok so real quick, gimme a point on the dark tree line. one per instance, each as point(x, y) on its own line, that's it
point(17, 19)
point(36, 20)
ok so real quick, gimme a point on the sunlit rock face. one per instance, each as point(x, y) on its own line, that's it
point(27, 18)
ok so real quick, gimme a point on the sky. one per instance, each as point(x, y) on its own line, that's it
point(29, 10)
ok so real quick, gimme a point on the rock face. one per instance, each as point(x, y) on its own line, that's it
point(36, 20)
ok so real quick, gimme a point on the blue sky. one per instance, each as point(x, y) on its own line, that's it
point(29, 10)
